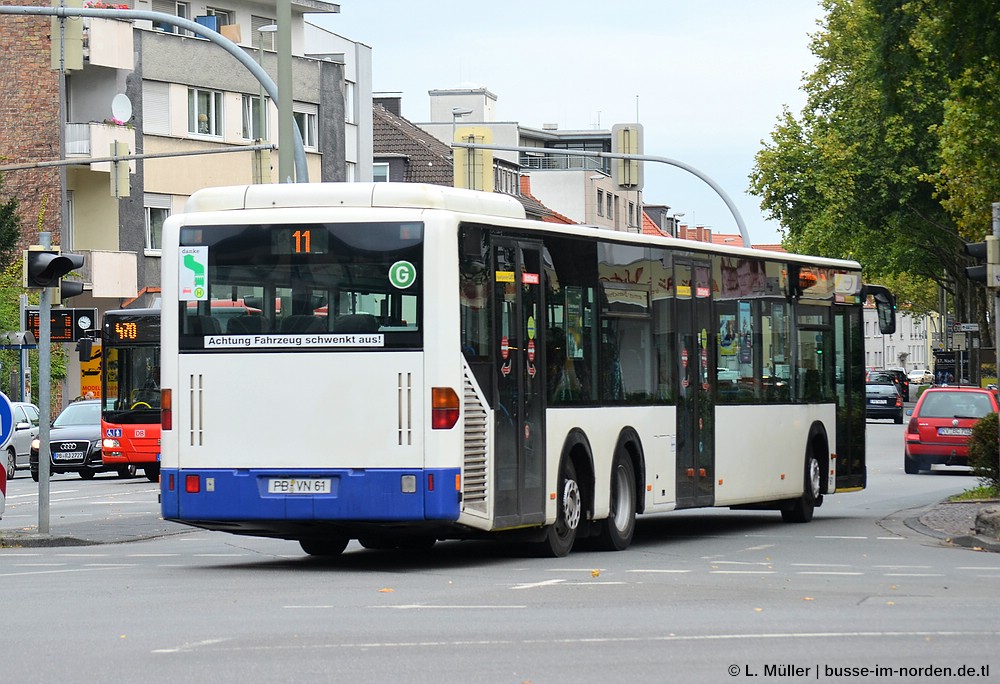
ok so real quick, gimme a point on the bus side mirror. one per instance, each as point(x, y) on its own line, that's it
point(885, 307)
point(85, 347)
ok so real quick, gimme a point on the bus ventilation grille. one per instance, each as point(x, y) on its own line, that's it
point(475, 468)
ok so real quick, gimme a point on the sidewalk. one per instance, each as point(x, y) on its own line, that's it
point(116, 530)
point(960, 524)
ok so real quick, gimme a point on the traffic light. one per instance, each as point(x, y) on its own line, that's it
point(988, 252)
point(67, 289)
point(45, 268)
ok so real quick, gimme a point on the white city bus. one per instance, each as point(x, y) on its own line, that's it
point(410, 363)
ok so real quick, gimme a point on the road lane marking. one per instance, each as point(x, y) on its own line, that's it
point(535, 585)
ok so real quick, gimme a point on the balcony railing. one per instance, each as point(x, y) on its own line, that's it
point(560, 162)
point(94, 139)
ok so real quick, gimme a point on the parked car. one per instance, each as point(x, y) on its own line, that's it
point(941, 423)
point(883, 400)
point(75, 443)
point(921, 376)
point(24, 432)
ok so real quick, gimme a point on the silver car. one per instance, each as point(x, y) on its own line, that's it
point(25, 430)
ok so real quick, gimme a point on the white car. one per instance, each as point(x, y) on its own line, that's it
point(25, 430)
point(921, 376)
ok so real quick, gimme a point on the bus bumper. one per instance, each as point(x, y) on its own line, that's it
point(322, 495)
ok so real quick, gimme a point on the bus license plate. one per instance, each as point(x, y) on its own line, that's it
point(67, 456)
point(293, 485)
point(956, 432)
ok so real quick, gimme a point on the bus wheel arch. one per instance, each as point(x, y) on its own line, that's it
point(616, 531)
point(814, 477)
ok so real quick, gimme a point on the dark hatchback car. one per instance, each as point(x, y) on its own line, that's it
point(883, 400)
point(941, 424)
point(75, 442)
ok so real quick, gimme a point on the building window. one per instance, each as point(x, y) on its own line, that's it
point(157, 211)
point(254, 128)
point(223, 17)
point(631, 213)
point(349, 114)
point(305, 118)
point(178, 9)
point(609, 212)
point(380, 173)
point(258, 39)
point(351, 172)
point(600, 202)
point(204, 112)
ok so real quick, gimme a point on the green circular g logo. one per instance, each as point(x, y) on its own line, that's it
point(402, 274)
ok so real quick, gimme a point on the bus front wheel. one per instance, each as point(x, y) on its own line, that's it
point(801, 510)
point(617, 529)
point(560, 536)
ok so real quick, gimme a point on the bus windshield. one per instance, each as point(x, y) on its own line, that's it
point(301, 286)
point(132, 390)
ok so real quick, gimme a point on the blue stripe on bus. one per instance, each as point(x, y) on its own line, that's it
point(354, 495)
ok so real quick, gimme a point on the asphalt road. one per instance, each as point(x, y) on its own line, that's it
point(701, 596)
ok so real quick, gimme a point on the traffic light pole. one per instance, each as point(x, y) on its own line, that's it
point(44, 394)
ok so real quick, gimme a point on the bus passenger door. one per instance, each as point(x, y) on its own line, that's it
point(519, 402)
point(695, 407)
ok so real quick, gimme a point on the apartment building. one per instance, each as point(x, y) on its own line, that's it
point(186, 96)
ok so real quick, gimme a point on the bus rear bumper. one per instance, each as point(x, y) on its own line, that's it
point(321, 495)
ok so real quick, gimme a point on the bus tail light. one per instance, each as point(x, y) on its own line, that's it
point(192, 484)
point(444, 408)
point(166, 411)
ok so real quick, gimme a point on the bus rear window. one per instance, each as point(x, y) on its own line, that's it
point(301, 286)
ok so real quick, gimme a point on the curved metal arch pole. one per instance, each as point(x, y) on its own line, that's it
point(301, 169)
point(615, 155)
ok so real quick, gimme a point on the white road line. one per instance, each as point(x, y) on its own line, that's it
point(903, 567)
point(258, 646)
point(418, 606)
point(821, 565)
point(45, 572)
point(831, 536)
point(742, 572)
point(665, 572)
point(828, 572)
point(912, 574)
point(535, 585)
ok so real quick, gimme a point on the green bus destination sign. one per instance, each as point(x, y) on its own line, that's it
point(67, 325)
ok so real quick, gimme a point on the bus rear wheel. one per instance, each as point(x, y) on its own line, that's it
point(323, 547)
point(617, 529)
point(560, 536)
point(801, 511)
point(152, 472)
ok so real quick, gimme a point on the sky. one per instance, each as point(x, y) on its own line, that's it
point(706, 79)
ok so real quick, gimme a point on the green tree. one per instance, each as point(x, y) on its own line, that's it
point(885, 164)
point(11, 289)
point(10, 228)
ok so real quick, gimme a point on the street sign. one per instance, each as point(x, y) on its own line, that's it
point(967, 327)
point(67, 325)
point(6, 419)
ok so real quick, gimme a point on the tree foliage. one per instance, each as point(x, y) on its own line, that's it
point(11, 289)
point(895, 158)
point(10, 228)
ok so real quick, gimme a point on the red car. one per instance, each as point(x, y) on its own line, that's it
point(941, 423)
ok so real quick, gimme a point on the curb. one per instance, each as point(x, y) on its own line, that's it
point(976, 543)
